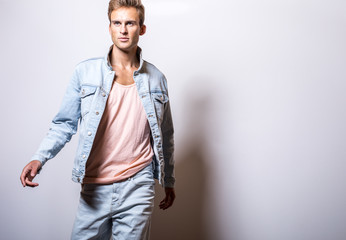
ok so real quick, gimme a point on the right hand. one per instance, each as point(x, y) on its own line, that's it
point(29, 172)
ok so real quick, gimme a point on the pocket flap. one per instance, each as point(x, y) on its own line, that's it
point(87, 90)
point(160, 97)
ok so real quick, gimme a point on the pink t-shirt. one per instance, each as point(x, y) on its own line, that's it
point(122, 143)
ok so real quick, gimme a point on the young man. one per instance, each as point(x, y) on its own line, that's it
point(126, 134)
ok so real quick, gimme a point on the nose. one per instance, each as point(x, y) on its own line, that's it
point(123, 29)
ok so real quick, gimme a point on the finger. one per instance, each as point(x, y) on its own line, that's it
point(30, 183)
point(23, 175)
point(162, 205)
point(170, 201)
point(165, 204)
point(163, 201)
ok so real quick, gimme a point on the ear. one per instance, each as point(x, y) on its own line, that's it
point(109, 29)
point(143, 29)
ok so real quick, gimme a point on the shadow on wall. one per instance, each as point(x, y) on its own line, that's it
point(185, 219)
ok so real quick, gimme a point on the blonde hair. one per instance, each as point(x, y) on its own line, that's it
point(115, 4)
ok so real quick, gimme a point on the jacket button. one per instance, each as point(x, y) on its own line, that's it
point(97, 113)
point(103, 94)
point(89, 133)
point(84, 156)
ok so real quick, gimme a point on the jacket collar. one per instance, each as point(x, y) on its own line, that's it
point(139, 55)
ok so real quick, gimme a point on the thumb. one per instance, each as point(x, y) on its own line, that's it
point(33, 171)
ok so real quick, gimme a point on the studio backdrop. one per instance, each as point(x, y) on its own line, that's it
point(257, 91)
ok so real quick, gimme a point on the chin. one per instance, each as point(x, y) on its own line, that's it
point(125, 46)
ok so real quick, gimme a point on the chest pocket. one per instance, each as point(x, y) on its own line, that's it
point(86, 94)
point(159, 100)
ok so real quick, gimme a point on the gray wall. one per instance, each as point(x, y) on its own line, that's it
point(258, 98)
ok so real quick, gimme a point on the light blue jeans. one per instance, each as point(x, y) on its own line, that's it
point(122, 209)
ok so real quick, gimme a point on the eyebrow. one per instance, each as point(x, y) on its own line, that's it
point(115, 20)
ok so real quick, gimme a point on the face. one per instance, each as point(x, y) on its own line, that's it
point(124, 28)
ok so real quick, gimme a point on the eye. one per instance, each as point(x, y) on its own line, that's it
point(130, 23)
point(116, 23)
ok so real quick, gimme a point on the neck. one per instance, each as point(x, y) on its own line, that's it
point(124, 59)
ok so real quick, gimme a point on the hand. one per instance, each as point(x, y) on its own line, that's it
point(29, 172)
point(169, 199)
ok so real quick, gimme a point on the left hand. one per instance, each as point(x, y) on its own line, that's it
point(169, 199)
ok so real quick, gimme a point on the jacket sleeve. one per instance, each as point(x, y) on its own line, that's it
point(64, 124)
point(168, 145)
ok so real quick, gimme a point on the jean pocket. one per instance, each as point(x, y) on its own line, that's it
point(144, 176)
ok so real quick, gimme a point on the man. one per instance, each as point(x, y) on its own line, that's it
point(126, 134)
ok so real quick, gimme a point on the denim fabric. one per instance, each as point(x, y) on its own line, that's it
point(122, 209)
point(84, 103)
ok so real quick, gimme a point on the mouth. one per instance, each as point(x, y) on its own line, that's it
point(123, 39)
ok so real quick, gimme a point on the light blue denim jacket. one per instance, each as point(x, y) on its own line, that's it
point(84, 102)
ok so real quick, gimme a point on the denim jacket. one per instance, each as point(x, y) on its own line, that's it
point(84, 102)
